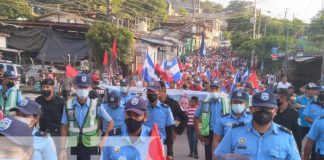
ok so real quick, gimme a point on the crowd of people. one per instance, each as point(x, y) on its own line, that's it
point(238, 119)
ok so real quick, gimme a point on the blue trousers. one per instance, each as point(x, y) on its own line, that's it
point(192, 139)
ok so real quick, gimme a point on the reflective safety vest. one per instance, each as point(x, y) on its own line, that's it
point(8, 102)
point(86, 134)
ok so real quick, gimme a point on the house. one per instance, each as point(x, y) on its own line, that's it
point(9, 53)
point(63, 17)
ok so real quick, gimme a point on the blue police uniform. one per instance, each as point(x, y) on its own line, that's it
point(82, 111)
point(117, 114)
point(316, 134)
point(121, 147)
point(162, 115)
point(226, 121)
point(44, 147)
point(127, 97)
point(276, 143)
point(215, 106)
point(313, 111)
point(19, 95)
point(303, 100)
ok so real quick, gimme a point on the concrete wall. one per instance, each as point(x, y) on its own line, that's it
point(63, 18)
point(3, 42)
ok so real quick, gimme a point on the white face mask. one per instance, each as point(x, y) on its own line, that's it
point(214, 95)
point(123, 89)
point(238, 108)
point(25, 120)
point(82, 93)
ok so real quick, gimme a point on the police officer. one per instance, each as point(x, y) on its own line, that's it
point(125, 95)
point(96, 92)
point(209, 111)
point(52, 109)
point(115, 110)
point(80, 123)
point(238, 115)
point(161, 114)
point(133, 141)
point(13, 146)
point(29, 111)
point(316, 134)
point(260, 138)
point(10, 95)
point(314, 110)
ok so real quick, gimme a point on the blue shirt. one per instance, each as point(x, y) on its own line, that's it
point(121, 147)
point(303, 100)
point(127, 97)
point(316, 134)
point(245, 140)
point(226, 121)
point(162, 115)
point(82, 112)
point(313, 111)
point(19, 95)
point(215, 111)
point(117, 114)
point(44, 147)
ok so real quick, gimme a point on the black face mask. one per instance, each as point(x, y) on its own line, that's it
point(46, 93)
point(133, 125)
point(262, 117)
point(152, 97)
point(10, 84)
point(279, 102)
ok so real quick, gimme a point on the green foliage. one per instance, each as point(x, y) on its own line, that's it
point(10, 9)
point(101, 36)
point(316, 29)
point(238, 6)
point(238, 38)
point(240, 23)
point(211, 7)
point(183, 12)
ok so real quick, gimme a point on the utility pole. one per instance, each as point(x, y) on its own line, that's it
point(254, 28)
point(259, 23)
point(194, 8)
point(108, 10)
point(287, 35)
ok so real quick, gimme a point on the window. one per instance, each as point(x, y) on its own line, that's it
point(19, 70)
point(10, 68)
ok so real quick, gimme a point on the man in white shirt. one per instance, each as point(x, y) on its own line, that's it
point(283, 83)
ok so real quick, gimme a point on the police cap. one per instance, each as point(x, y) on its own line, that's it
point(264, 99)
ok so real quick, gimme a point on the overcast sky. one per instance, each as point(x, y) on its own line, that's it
point(303, 9)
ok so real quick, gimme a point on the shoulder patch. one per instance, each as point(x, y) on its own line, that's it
point(321, 117)
point(225, 115)
point(238, 124)
point(285, 129)
point(41, 134)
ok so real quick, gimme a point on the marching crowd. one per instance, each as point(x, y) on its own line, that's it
point(238, 119)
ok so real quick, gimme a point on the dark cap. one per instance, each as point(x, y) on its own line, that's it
point(247, 85)
point(83, 80)
point(123, 82)
point(16, 131)
point(28, 107)
point(48, 81)
point(113, 96)
point(264, 99)
point(154, 86)
point(239, 95)
point(215, 83)
point(137, 105)
point(311, 86)
point(10, 75)
point(283, 92)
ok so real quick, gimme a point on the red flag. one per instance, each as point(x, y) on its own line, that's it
point(163, 74)
point(114, 51)
point(254, 80)
point(155, 150)
point(70, 71)
point(105, 58)
point(139, 68)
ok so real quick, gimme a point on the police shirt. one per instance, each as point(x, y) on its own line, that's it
point(44, 147)
point(316, 134)
point(226, 122)
point(82, 112)
point(303, 100)
point(52, 111)
point(19, 95)
point(276, 143)
point(313, 111)
point(121, 147)
point(162, 115)
point(117, 114)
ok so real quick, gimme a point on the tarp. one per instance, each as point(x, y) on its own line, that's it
point(59, 44)
point(27, 39)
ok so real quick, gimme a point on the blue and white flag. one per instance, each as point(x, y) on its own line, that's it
point(237, 79)
point(202, 50)
point(246, 75)
point(149, 70)
point(175, 70)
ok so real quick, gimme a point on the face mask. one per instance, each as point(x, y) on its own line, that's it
point(46, 93)
point(214, 95)
point(238, 108)
point(82, 93)
point(123, 90)
point(262, 117)
point(10, 84)
point(133, 125)
point(152, 97)
point(278, 102)
point(25, 120)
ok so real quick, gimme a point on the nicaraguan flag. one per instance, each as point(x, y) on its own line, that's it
point(202, 50)
point(246, 75)
point(236, 80)
point(149, 70)
point(175, 70)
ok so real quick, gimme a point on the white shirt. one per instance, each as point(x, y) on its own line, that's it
point(284, 86)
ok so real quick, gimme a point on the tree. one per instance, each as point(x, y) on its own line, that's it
point(183, 12)
point(210, 7)
point(10, 9)
point(239, 38)
point(239, 7)
point(101, 36)
point(316, 29)
point(240, 23)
